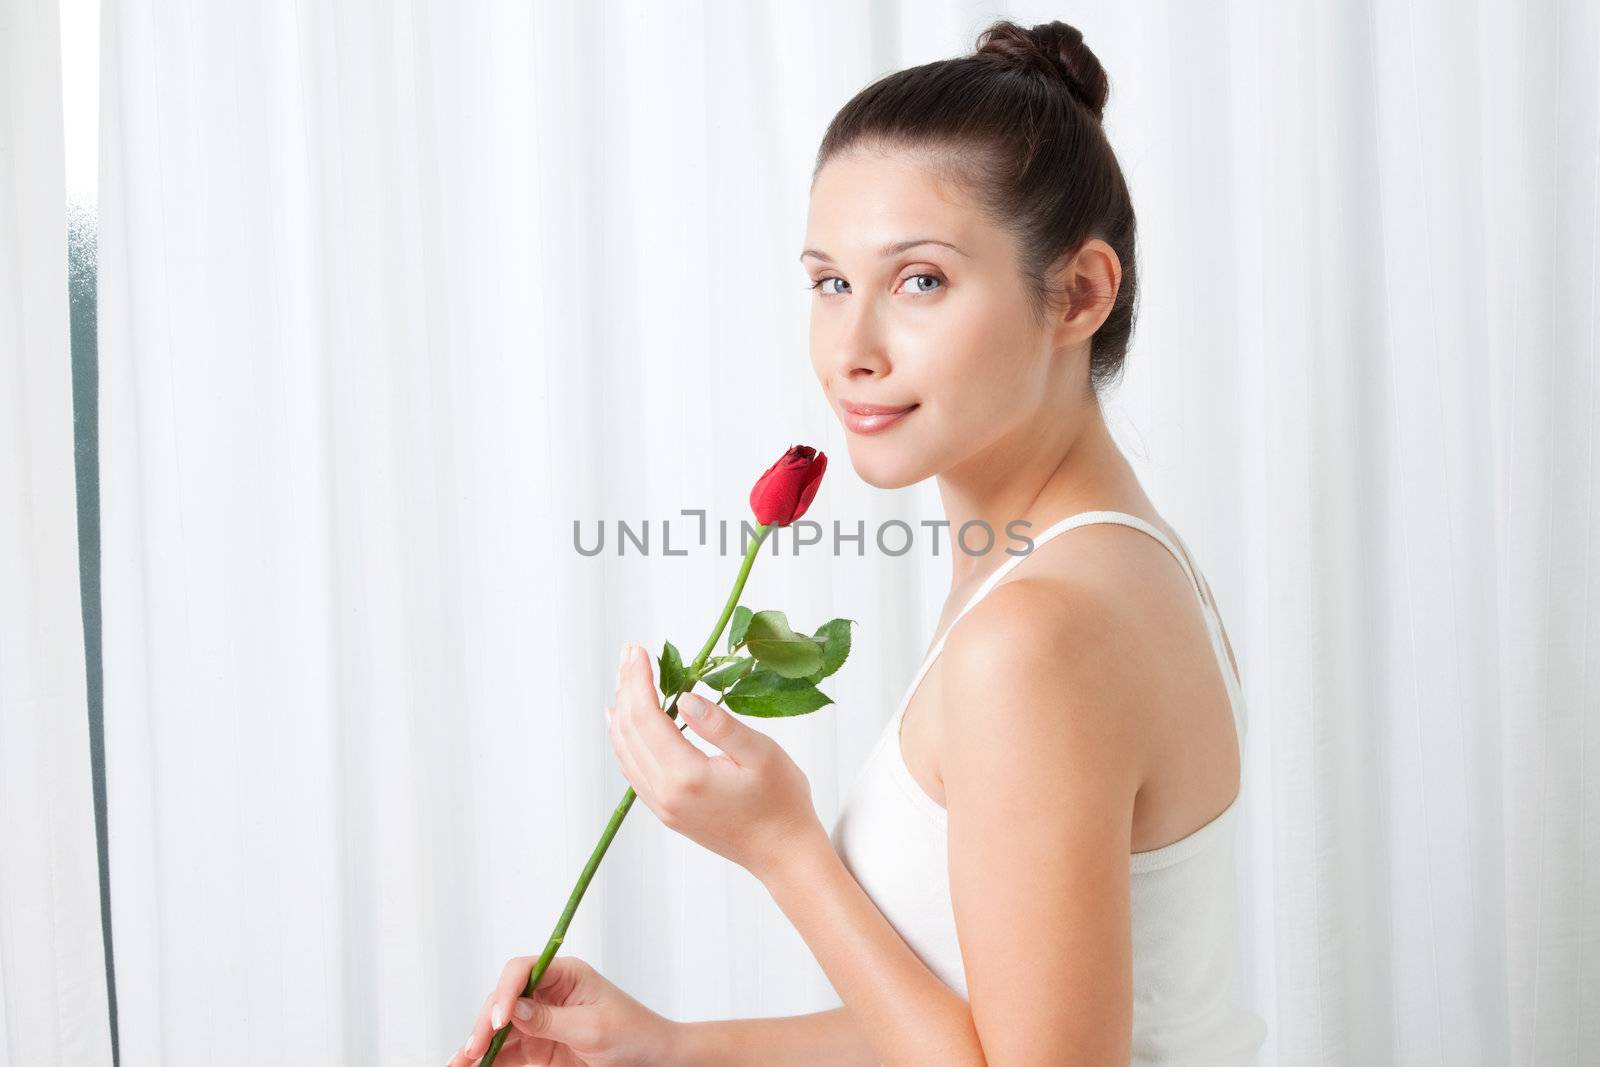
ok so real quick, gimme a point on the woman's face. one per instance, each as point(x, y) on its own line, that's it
point(946, 332)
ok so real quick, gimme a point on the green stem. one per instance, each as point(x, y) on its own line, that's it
point(621, 812)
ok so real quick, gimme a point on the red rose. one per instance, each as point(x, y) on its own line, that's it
point(783, 493)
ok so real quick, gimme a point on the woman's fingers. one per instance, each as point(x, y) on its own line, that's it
point(668, 758)
point(636, 748)
point(496, 1011)
point(477, 1040)
point(512, 1054)
point(624, 751)
point(517, 1051)
point(513, 980)
point(560, 987)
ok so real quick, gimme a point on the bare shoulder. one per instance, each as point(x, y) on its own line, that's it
point(1098, 663)
point(1051, 662)
point(1045, 620)
point(1112, 579)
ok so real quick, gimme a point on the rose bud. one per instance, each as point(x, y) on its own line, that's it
point(783, 493)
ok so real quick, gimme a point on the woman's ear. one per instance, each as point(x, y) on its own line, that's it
point(1088, 283)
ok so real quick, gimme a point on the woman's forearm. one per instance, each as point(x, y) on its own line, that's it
point(906, 1013)
point(829, 1037)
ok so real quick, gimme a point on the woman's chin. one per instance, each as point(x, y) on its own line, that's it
point(884, 468)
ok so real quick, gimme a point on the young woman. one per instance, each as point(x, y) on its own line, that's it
point(1035, 864)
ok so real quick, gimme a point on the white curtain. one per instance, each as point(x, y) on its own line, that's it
point(52, 959)
point(393, 293)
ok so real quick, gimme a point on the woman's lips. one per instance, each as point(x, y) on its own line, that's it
point(870, 418)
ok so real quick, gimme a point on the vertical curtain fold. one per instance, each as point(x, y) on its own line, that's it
point(52, 959)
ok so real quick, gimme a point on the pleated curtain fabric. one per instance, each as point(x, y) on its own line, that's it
point(53, 1002)
point(396, 298)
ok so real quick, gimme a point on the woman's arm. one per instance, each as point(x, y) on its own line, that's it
point(1041, 764)
point(1040, 775)
point(909, 1015)
point(829, 1037)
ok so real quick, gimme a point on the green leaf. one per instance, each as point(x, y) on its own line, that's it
point(736, 628)
point(770, 640)
point(671, 676)
point(765, 680)
point(725, 676)
point(767, 695)
point(835, 637)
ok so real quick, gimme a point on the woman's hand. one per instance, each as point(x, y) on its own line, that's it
point(576, 1018)
point(750, 803)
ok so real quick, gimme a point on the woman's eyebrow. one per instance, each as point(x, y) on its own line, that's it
point(894, 248)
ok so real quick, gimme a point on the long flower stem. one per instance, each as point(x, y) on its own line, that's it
point(621, 812)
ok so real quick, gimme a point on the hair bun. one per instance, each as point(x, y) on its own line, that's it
point(1054, 49)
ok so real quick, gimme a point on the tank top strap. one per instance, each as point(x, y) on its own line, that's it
point(1179, 552)
point(1213, 619)
point(1061, 526)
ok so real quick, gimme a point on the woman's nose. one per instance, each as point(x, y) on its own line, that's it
point(859, 349)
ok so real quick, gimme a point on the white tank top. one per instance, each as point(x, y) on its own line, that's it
point(1183, 896)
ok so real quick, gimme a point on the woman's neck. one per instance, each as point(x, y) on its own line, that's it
point(1078, 467)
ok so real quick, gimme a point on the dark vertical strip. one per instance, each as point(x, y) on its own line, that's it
point(82, 287)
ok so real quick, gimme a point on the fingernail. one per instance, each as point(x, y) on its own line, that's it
point(497, 1016)
point(467, 1048)
point(524, 1010)
point(693, 706)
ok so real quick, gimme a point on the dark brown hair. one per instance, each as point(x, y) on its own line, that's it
point(1017, 123)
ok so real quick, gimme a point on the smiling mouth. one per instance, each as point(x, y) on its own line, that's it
point(873, 423)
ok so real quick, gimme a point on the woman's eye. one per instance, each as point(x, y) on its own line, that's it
point(915, 289)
